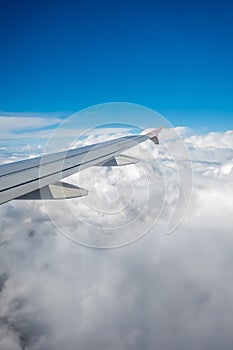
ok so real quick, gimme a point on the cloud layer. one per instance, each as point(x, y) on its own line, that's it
point(162, 292)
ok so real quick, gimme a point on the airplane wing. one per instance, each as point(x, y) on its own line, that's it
point(40, 177)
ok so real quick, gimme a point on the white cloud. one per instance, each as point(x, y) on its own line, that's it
point(11, 125)
point(212, 140)
point(163, 292)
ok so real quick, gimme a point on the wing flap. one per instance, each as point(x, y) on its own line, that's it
point(120, 160)
point(58, 190)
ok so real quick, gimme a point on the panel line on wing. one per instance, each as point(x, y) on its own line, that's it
point(94, 148)
point(60, 171)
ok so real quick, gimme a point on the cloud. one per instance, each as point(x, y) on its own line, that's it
point(212, 140)
point(11, 125)
point(29, 130)
point(164, 292)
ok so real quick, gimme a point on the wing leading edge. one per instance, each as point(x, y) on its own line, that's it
point(40, 177)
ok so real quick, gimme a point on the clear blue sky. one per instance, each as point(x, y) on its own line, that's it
point(173, 56)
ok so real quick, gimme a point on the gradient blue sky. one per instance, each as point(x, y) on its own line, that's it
point(173, 56)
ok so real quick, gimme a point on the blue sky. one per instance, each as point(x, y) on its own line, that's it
point(173, 56)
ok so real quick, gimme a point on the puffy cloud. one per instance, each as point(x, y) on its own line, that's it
point(212, 140)
point(164, 291)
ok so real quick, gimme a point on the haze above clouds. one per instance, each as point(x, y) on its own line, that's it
point(163, 292)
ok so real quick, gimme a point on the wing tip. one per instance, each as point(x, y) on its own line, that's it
point(153, 134)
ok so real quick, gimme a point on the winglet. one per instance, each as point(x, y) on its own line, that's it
point(153, 134)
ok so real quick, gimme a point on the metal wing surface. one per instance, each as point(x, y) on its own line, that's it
point(40, 177)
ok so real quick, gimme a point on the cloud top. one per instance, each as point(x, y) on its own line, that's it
point(165, 292)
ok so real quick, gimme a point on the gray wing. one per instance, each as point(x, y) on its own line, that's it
point(40, 177)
